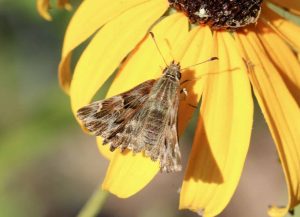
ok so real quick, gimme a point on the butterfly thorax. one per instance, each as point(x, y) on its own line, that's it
point(167, 86)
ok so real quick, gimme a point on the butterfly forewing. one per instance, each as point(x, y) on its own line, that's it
point(108, 117)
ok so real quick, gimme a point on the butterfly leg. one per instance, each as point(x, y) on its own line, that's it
point(185, 92)
point(185, 81)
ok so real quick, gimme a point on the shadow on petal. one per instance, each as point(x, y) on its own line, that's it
point(186, 110)
point(211, 173)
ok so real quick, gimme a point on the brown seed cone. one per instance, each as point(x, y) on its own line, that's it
point(220, 14)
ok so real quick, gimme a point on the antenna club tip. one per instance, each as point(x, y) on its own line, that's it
point(152, 34)
point(214, 58)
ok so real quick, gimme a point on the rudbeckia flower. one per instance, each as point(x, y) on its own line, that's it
point(257, 49)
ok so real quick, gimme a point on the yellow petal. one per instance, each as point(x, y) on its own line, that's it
point(287, 64)
point(222, 135)
point(291, 5)
point(196, 48)
point(127, 174)
point(281, 113)
point(284, 28)
point(106, 51)
point(92, 15)
point(42, 8)
point(108, 48)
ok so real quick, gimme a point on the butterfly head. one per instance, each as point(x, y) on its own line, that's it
point(173, 70)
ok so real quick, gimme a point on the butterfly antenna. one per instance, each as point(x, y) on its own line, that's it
point(170, 48)
point(152, 35)
point(209, 60)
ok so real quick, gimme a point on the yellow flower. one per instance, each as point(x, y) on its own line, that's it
point(261, 56)
point(44, 5)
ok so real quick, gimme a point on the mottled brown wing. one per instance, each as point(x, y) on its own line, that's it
point(170, 157)
point(108, 118)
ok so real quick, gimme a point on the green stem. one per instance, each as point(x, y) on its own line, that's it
point(94, 205)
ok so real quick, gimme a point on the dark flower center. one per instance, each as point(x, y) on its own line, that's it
point(220, 14)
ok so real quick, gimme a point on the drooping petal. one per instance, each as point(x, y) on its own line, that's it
point(281, 113)
point(283, 27)
point(291, 5)
point(127, 174)
point(42, 8)
point(92, 15)
point(44, 5)
point(222, 135)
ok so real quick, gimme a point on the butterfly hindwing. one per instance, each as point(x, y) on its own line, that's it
point(167, 149)
point(170, 157)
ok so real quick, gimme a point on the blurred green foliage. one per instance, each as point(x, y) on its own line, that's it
point(35, 114)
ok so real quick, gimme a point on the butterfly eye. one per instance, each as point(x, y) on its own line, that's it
point(179, 75)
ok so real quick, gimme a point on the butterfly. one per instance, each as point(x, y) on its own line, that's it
point(143, 118)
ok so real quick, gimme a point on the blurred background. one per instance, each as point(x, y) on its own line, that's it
point(49, 167)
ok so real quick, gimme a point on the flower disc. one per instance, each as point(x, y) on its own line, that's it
point(220, 14)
